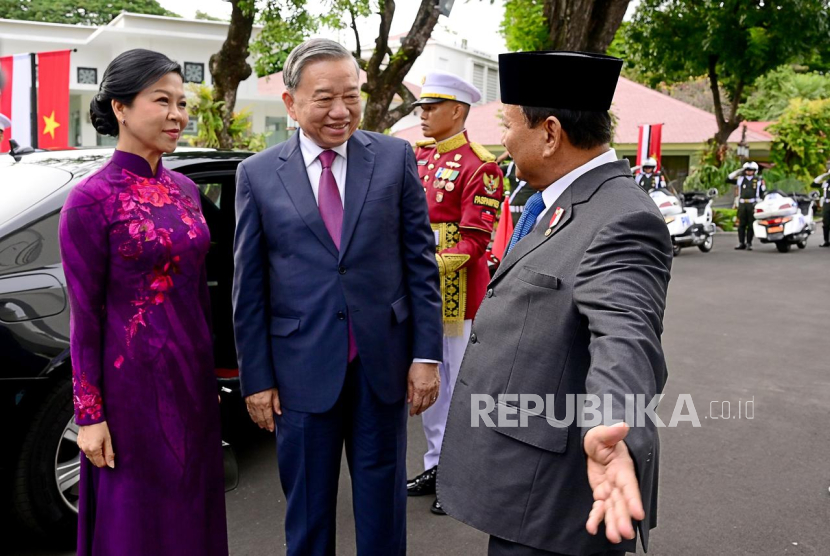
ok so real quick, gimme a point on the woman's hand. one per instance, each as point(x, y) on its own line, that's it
point(95, 442)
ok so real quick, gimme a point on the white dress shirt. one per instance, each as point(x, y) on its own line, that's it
point(554, 190)
point(311, 151)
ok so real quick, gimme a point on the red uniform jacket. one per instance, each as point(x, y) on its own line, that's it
point(464, 189)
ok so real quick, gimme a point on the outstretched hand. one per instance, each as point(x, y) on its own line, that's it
point(614, 482)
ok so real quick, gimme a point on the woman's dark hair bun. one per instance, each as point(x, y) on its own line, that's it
point(102, 117)
point(128, 74)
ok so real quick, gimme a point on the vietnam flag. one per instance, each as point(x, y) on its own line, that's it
point(53, 99)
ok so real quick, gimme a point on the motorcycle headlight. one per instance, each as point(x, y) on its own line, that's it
point(669, 219)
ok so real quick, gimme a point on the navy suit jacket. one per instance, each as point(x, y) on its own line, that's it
point(293, 292)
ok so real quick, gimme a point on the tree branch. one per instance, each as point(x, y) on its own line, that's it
point(387, 11)
point(356, 34)
point(736, 100)
point(403, 109)
point(713, 84)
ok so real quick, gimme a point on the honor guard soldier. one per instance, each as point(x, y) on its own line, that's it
point(464, 188)
point(648, 178)
point(750, 189)
point(823, 182)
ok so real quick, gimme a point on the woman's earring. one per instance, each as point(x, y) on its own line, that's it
point(124, 122)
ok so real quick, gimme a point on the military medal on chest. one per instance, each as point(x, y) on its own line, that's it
point(444, 181)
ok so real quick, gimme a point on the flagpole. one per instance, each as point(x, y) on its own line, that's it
point(32, 57)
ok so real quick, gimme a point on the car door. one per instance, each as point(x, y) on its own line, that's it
point(218, 189)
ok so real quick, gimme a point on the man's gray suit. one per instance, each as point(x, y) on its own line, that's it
point(577, 310)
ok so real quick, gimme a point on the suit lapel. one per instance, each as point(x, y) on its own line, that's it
point(292, 172)
point(580, 191)
point(540, 234)
point(359, 168)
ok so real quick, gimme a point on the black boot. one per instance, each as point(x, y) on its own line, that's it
point(749, 247)
point(437, 509)
point(423, 484)
point(740, 247)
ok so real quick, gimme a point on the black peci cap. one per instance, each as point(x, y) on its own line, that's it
point(559, 79)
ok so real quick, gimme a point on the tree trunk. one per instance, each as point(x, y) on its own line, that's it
point(383, 83)
point(586, 25)
point(727, 123)
point(229, 66)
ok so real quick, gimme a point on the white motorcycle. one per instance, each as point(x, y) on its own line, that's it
point(785, 219)
point(689, 217)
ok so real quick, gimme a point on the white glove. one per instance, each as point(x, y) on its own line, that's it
point(736, 173)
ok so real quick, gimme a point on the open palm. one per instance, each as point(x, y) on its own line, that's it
point(614, 482)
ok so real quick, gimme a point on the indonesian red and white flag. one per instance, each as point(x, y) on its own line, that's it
point(16, 99)
point(648, 145)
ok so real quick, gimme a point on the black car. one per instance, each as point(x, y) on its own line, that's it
point(41, 457)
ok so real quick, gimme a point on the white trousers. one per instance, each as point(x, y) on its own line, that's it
point(435, 418)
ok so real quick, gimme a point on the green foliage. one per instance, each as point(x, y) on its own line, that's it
point(287, 23)
point(207, 17)
point(90, 12)
point(619, 47)
point(711, 171)
point(673, 40)
point(724, 218)
point(776, 89)
point(208, 113)
point(524, 27)
point(802, 138)
point(780, 178)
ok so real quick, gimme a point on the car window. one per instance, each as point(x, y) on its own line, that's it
point(213, 191)
point(23, 185)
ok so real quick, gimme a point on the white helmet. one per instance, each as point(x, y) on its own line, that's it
point(751, 166)
point(650, 161)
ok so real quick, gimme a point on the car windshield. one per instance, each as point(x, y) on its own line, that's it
point(23, 185)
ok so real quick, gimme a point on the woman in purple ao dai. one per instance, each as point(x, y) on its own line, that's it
point(133, 243)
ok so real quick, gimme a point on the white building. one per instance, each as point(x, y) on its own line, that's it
point(450, 53)
point(190, 42)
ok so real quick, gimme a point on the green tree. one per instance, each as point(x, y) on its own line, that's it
point(587, 25)
point(732, 42)
point(524, 26)
point(90, 12)
point(386, 69)
point(774, 91)
point(286, 23)
point(802, 138)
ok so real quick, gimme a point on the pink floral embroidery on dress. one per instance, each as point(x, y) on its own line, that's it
point(88, 404)
point(136, 202)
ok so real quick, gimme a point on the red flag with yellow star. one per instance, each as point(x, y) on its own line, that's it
point(53, 99)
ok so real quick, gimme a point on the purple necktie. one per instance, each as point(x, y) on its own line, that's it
point(331, 210)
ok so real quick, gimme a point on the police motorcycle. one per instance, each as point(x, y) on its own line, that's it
point(689, 215)
point(785, 219)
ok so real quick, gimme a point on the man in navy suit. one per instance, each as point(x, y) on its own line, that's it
point(337, 309)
